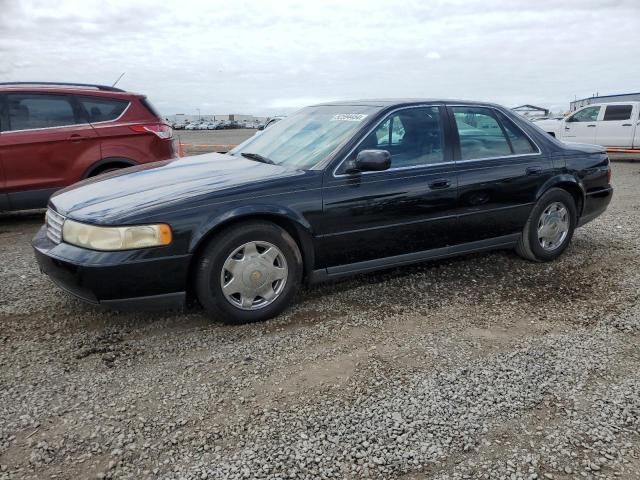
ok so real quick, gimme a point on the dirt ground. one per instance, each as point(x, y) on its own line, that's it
point(484, 366)
point(203, 141)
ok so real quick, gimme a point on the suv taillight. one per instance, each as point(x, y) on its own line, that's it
point(162, 130)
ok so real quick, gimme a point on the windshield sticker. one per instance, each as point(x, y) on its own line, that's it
point(349, 117)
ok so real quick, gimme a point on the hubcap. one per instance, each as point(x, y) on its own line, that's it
point(553, 226)
point(254, 275)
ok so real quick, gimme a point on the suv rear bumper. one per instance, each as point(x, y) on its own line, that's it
point(112, 279)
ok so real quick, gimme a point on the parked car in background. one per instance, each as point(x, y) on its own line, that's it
point(191, 126)
point(179, 126)
point(55, 134)
point(607, 124)
point(332, 190)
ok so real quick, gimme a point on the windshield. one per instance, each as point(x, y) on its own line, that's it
point(308, 136)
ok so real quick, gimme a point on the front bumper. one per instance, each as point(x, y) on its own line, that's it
point(119, 280)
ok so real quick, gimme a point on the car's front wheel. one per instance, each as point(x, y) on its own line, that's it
point(549, 228)
point(249, 272)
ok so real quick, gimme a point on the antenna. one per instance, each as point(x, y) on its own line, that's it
point(116, 82)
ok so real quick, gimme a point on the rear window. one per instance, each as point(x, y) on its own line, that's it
point(617, 112)
point(101, 109)
point(33, 111)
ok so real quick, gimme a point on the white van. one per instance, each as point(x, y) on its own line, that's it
point(614, 125)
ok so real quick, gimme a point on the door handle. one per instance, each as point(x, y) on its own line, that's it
point(592, 125)
point(533, 170)
point(626, 124)
point(75, 138)
point(440, 183)
point(567, 127)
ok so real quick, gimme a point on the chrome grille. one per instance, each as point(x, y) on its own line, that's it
point(54, 226)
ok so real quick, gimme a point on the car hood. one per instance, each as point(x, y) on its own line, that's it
point(549, 123)
point(145, 188)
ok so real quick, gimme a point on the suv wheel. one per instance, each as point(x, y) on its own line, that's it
point(549, 228)
point(248, 273)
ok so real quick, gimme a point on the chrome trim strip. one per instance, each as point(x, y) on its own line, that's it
point(54, 222)
point(6, 132)
point(498, 158)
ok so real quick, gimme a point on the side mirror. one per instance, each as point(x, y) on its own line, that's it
point(372, 161)
point(261, 127)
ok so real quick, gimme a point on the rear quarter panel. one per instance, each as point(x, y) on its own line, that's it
point(118, 140)
point(592, 172)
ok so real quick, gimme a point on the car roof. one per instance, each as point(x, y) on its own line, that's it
point(391, 102)
point(94, 90)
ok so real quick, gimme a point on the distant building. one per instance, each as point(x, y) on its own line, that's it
point(623, 97)
point(531, 111)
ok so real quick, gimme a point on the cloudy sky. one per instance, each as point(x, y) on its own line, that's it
point(270, 56)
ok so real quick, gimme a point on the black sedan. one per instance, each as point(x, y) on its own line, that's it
point(332, 190)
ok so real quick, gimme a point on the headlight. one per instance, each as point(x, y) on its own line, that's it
point(115, 238)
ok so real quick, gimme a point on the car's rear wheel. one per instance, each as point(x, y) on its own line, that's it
point(549, 228)
point(248, 273)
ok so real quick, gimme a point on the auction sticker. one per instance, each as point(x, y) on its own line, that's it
point(349, 117)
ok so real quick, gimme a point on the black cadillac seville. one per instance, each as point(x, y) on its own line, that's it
point(332, 190)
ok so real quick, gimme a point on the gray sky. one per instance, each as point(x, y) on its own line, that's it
point(269, 56)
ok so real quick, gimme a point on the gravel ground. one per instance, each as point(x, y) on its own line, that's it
point(485, 366)
point(202, 141)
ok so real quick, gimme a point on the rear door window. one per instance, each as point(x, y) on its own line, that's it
point(519, 141)
point(33, 111)
point(617, 112)
point(480, 134)
point(102, 109)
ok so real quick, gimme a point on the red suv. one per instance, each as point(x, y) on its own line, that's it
point(55, 134)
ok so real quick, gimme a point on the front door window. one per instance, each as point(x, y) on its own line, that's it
point(413, 136)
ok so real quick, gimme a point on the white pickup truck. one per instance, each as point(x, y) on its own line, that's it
point(613, 125)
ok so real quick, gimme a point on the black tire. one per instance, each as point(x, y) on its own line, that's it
point(528, 246)
point(210, 263)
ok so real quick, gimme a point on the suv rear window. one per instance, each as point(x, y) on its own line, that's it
point(103, 109)
point(28, 111)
